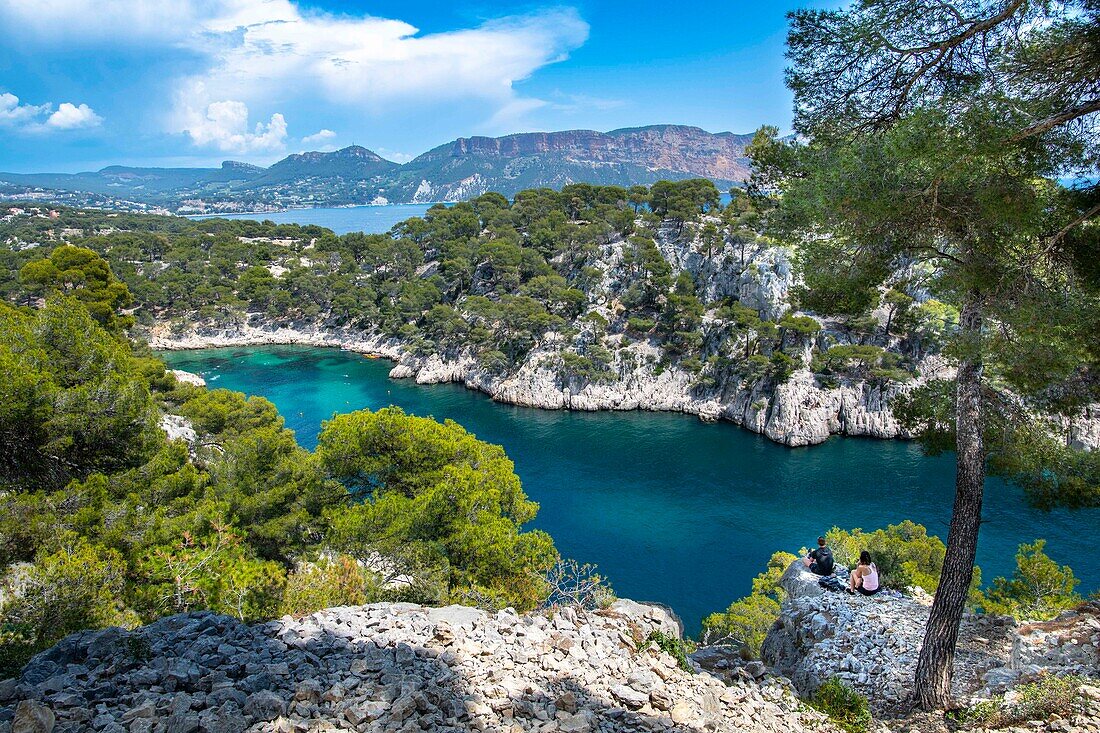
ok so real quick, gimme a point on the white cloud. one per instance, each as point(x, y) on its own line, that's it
point(320, 137)
point(43, 117)
point(71, 117)
point(224, 124)
point(14, 113)
point(395, 156)
point(260, 51)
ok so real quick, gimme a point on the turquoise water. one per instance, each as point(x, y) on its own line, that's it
point(671, 509)
point(369, 219)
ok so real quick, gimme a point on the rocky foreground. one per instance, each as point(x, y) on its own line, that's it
point(389, 667)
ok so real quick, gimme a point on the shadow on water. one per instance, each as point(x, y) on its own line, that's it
point(671, 509)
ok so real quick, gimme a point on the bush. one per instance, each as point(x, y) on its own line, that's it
point(905, 554)
point(844, 706)
point(327, 583)
point(745, 623)
point(1039, 588)
point(570, 583)
point(678, 648)
point(1032, 701)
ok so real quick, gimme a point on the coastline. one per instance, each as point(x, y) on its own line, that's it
point(310, 208)
point(795, 413)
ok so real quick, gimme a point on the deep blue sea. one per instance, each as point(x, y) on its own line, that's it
point(670, 508)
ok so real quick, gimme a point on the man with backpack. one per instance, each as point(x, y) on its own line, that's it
point(820, 561)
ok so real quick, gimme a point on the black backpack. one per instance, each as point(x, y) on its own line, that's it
point(824, 560)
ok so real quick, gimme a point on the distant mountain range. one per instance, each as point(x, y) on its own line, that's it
point(459, 170)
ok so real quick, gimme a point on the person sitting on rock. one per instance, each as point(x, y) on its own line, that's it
point(820, 561)
point(864, 578)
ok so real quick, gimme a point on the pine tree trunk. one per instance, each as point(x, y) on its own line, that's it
point(934, 668)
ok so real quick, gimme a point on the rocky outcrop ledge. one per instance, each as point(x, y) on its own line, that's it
point(388, 667)
point(872, 644)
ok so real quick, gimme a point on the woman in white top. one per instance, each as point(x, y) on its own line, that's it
point(864, 578)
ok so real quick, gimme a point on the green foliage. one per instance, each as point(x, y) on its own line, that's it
point(1032, 701)
point(593, 367)
point(104, 521)
point(1039, 588)
point(72, 400)
point(84, 275)
point(76, 586)
point(844, 706)
point(327, 583)
point(433, 486)
point(677, 648)
point(861, 361)
point(767, 582)
point(905, 554)
point(746, 622)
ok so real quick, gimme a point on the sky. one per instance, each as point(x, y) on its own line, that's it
point(90, 83)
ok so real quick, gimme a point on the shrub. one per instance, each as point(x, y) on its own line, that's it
point(1038, 589)
point(327, 583)
point(1032, 701)
point(678, 648)
point(570, 583)
point(745, 623)
point(905, 553)
point(844, 706)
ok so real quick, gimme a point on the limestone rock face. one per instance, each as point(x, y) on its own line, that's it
point(390, 667)
point(188, 377)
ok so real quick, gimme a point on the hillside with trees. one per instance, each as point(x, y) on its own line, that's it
point(107, 520)
point(587, 293)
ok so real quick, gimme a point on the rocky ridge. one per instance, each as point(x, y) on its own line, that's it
point(799, 412)
point(872, 644)
point(456, 171)
point(389, 667)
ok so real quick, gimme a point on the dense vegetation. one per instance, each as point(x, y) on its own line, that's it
point(585, 274)
point(104, 520)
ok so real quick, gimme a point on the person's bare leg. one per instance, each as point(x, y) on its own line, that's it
point(853, 579)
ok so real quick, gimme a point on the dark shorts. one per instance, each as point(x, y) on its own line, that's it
point(863, 591)
point(816, 569)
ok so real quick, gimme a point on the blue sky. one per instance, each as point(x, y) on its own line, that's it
point(84, 83)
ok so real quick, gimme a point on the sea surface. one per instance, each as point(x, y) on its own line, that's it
point(671, 509)
point(343, 219)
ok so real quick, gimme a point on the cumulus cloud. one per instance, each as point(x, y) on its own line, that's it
point(70, 116)
point(44, 117)
point(224, 124)
point(319, 138)
point(259, 51)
